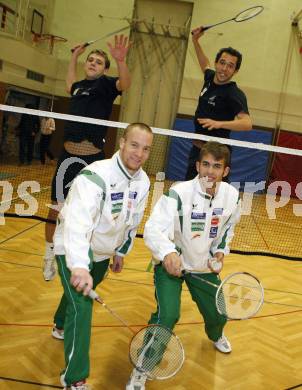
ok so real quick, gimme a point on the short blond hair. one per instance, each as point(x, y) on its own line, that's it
point(139, 125)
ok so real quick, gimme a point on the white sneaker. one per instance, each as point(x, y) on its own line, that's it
point(62, 379)
point(137, 381)
point(57, 333)
point(49, 269)
point(78, 386)
point(223, 345)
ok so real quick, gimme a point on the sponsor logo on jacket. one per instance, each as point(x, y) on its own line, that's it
point(132, 195)
point(197, 226)
point(213, 231)
point(117, 202)
point(117, 196)
point(217, 211)
point(214, 221)
point(195, 215)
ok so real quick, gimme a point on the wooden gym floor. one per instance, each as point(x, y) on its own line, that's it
point(267, 349)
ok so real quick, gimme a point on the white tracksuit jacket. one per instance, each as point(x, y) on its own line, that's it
point(102, 211)
point(192, 223)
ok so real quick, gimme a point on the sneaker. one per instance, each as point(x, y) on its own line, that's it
point(223, 345)
point(78, 386)
point(62, 378)
point(137, 381)
point(49, 269)
point(81, 385)
point(57, 333)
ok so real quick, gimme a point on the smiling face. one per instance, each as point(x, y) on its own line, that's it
point(225, 68)
point(95, 66)
point(135, 148)
point(211, 172)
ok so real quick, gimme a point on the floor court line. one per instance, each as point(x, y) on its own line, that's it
point(21, 265)
point(294, 387)
point(19, 233)
point(151, 284)
point(29, 382)
point(6, 324)
point(22, 252)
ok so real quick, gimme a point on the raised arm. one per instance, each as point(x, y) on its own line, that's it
point(119, 52)
point(202, 58)
point(72, 67)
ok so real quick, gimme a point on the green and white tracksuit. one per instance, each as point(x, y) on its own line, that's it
point(188, 221)
point(99, 219)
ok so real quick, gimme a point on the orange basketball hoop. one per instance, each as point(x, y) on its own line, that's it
point(52, 39)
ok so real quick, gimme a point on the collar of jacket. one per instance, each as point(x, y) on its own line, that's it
point(123, 169)
point(201, 190)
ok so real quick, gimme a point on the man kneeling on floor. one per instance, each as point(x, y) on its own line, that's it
point(189, 232)
point(99, 220)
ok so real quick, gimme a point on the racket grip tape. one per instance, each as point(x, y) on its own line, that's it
point(93, 295)
point(215, 265)
point(202, 29)
point(84, 45)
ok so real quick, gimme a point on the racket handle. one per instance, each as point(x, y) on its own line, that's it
point(202, 29)
point(93, 295)
point(84, 45)
point(215, 265)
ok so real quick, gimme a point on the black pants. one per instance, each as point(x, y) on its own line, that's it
point(193, 157)
point(62, 180)
point(44, 147)
point(26, 147)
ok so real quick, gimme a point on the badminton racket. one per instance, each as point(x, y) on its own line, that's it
point(244, 15)
point(239, 296)
point(154, 350)
point(103, 37)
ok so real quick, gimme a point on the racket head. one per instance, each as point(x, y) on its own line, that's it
point(248, 13)
point(240, 296)
point(156, 352)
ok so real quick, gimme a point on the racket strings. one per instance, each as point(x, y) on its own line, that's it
point(157, 352)
point(248, 13)
point(240, 297)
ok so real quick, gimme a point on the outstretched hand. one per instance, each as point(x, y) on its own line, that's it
point(120, 49)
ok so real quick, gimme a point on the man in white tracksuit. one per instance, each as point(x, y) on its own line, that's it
point(99, 220)
point(190, 229)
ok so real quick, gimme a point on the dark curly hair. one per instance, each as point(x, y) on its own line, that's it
point(232, 52)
